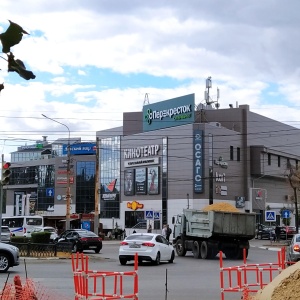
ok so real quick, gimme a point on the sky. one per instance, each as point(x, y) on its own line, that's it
point(96, 59)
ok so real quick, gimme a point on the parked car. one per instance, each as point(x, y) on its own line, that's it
point(81, 240)
point(293, 250)
point(50, 229)
point(5, 234)
point(9, 257)
point(287, 232)
point(264, 232)
point(149, 247)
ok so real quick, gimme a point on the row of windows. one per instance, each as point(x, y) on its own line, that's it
point(238, 153)
point(279, 159)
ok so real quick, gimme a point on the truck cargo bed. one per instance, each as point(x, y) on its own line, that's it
point(218, 223)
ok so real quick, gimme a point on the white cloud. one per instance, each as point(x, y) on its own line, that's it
point(245, 47)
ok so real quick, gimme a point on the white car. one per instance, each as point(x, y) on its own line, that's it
point(53, 235)
point(149, 247)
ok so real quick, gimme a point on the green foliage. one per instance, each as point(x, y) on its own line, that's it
point(19, 239)
point(40, 237)
point(19, 67)
point(11, 37)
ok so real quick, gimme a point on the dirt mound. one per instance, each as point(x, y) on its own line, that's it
point(285, 286)
point(221, 206)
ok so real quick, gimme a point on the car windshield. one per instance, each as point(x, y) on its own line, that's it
point(140, 237)
point(4, 229)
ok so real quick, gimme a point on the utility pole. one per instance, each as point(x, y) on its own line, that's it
point(68, 189)
point(97, 189)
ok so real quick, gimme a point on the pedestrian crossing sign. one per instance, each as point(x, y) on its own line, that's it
point(270, 216)
point(156, 215)
point(149, 214)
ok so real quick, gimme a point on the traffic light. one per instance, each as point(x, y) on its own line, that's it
point(5, 173)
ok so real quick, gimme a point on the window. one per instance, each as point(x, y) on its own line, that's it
point(231, 152)
point(110, 166)
point(269, 159)
point(278, 161)
point(238, 154)
point(85, 186)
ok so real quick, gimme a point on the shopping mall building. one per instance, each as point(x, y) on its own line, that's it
point(170, 156)
point(174, 155)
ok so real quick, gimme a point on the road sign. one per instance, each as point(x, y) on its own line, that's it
point(149, 214)
point(285, 214)
point(156, 215)
point(49, 192)
point(270, 216)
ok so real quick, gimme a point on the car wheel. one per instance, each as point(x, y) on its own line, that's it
point(157, 259)
point(260, 236)
point(172, 257)
point(97, 250)
point(123, 261)
point(4, 263)
point(76, 248)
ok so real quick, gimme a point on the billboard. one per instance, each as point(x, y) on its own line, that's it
point(153, 181)
point(80, 149)
point(129, 182)
point(140, 181)
point(174, 112)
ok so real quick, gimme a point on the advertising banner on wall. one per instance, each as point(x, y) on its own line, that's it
point(153, 181)
point(173, 112)
point(129, 183)
point(80, 149)
point(19, 203)
point(140, 181)
point(198, 161)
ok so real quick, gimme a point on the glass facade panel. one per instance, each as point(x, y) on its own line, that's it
point(110, 163)
point(85, 186)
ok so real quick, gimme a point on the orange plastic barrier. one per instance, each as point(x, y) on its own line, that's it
point(237, 277)
point(87, 286)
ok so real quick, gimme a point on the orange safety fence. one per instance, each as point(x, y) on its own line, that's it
point(237, 278)
point(92, 284)
point(28, 290)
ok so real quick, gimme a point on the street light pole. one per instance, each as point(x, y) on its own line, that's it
point(68, 191)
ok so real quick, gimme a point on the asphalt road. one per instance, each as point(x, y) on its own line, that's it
point(186, 278)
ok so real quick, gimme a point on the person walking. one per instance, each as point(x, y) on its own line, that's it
point(149, 230)
point(168, 232)
point(164, 231)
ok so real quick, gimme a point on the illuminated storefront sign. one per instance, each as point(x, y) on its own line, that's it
point(134, 205)
point(139, 152)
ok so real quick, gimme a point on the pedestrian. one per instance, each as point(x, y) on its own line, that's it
point(149, 228)
point(164, 231)
point(277, 233)
point(168, 232)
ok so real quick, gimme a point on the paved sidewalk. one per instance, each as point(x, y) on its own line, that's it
point(268, 245)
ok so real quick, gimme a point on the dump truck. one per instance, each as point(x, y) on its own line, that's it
point(205, 233)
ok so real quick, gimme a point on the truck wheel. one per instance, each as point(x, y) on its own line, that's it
point(180, 249)
point(196, 249)
point(205, 250)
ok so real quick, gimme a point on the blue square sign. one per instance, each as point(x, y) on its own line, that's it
point(270, 216)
